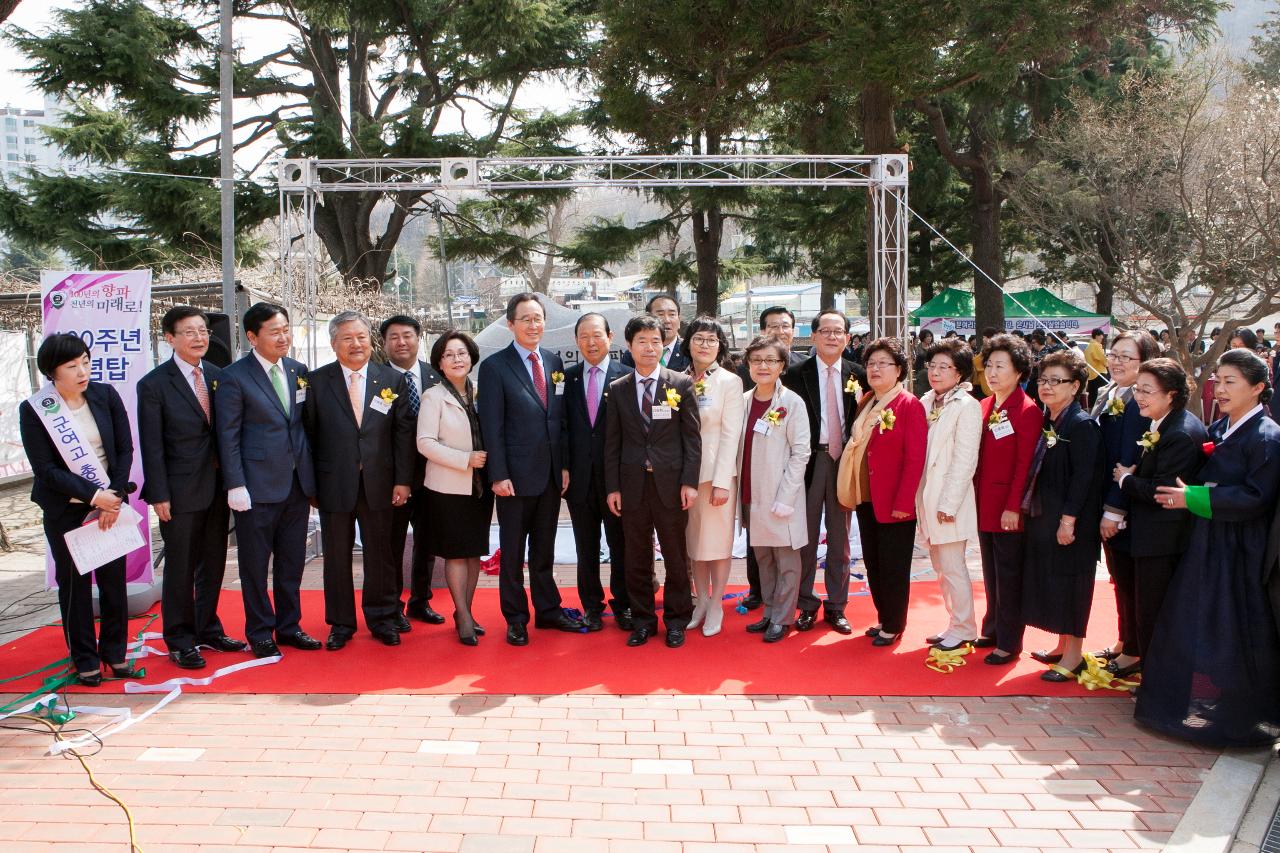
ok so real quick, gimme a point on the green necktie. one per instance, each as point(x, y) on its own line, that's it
point(277, 379)
point(663, 360)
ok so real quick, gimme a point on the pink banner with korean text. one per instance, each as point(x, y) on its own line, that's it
point(111, 313)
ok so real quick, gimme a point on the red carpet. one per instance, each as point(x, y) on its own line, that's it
point(430, 660)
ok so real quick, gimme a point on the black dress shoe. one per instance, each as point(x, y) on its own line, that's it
point(517, 635)
point(423, 613)
point(563, 622)
point(1056, 674)
point(225, 644)
point(1107, 654)
point(752, 601)
point(675, 638)
point(299, 640)
point(479, 630)
point(951, 647)
point(593, 622)
point(639, 636)
point(758, 627)
point(775, 633)
point(89, 679)
point(873, 631)
point(265, 649)
point(1046, 657)
point(337, 639)
point(806, 620)
point(624, 619)
point(1124, 671)
point(984, 643)
point(187, 659)
point(386, 634)
point(126, 671)
point(838, 623)
point(402, 623)
point(999, 660)
point(933, 639)
point(881, 640)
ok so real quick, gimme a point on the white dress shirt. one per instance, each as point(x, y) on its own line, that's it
point(587, 367)
point(267, 365)
point(656, 376)
point(188, 372)
point(415, 372)
point(524, 359)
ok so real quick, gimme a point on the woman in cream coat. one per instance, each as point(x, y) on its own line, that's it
point(772, 456)
point(710, 529)
point(457, 494)
point(945, 505)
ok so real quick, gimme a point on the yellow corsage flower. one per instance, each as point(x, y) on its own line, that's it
point(775, 416)
point(1115, 407)
point(556, 377)
point(1051, 437)
point(700, 387)
point(388, 395)
point(996, 418)
point(1149, 440)
point(673, 400)
point(302, 382)
point(852, 387)
point(887, 420)
point(934, 415)
point(213, 386)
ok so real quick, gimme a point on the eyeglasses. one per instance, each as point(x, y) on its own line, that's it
point(704, 341)
point(830, 333)
point(1112, 355)
point(881, 365)
point(940, 366)
point(192, 334)
point(769, 362)
point(1141, 391)
point(1051, 381)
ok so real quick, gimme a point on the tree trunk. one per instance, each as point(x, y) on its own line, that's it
point(924, 264)
point(708, 229)
point(879, 136)
point(1104, 300)
point(988, 299)
point(827, 300)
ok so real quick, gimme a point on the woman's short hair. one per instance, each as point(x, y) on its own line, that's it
point(1147, 346)
point(959, 353)
point(57, 350)
point(437, 349)
point(892, 346)
point(1072, 362)
point(1252, 368)
point(705, 323)
point(1247, 337)
point(1170, 376)
point(1016, 348)
point(763, 342)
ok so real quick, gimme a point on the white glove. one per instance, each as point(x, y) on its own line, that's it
point(238, 499)
point(781, 510)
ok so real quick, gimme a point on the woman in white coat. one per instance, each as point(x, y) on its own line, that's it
point(945, 506)
point(772, 456)
point(709, 534)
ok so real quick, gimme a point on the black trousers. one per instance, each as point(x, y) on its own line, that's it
point(378, 594)
point(75, 598)
point(273, 535)
point(1120, 564)
point(195, 561)
point(639, 524)
point(1002, 557)
point(587, 517)
point(528, 520)
point(412, 513)
point(886, 549)
point(1152, 576)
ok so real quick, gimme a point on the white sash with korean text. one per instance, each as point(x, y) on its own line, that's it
point(76, 452)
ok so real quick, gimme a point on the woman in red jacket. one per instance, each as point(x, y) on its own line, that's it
point(879, 474)
point(1011, 428)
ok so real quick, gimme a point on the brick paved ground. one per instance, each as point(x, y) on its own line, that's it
point(496, 773)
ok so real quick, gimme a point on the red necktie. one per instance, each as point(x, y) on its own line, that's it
point(202, 392)
point(539, 381)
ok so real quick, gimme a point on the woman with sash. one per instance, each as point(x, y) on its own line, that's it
point(76, 436)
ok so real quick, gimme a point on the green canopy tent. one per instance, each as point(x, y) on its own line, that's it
point(952, 309)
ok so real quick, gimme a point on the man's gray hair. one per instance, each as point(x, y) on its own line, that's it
point(342, 318)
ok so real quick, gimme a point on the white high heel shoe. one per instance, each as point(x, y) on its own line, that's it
point(699, 613)
point(713, 619)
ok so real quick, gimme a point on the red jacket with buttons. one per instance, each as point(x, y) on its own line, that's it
point(1003, 464)
point(895, 458)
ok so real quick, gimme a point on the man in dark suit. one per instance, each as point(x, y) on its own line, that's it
point(778, 322)
point(401, 335)
point(652, 458)
point(362, 438)
point(666, 311)
point(586, 402)
point(183, 484)
point(522, 422)
point(267, 469)
point(829, 385)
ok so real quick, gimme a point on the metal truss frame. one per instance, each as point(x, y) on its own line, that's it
point(303, 183)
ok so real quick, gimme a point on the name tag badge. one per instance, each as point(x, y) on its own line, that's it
point(762, 426)
point(1003, 429)
point(559, 389)
point(704, 400)
point(300, 396)
point(380, 405)
point(661, 413)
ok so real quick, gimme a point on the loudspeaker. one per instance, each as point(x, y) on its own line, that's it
point(220, 337)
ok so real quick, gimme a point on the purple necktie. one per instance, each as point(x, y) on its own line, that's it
point(593, 394)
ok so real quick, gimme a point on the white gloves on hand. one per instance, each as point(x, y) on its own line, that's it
point(238, 499)
point(781, 510)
